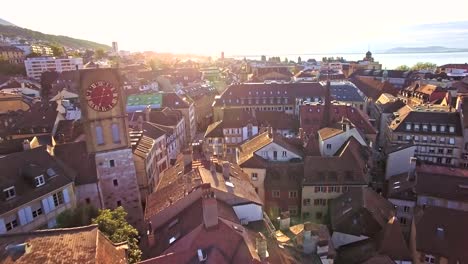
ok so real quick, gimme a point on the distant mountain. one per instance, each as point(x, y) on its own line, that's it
point(6, 23)
point(12, 31)
point(430, 49)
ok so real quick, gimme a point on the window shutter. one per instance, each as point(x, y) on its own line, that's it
point(22, 217)
point(66, 197)
point(45, 206)
point(2, 226)
point(50, 199)
point(28, 212)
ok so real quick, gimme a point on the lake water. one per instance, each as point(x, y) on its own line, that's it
point(389, 61)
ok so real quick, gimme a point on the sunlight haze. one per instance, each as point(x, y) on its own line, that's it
point(241, 27)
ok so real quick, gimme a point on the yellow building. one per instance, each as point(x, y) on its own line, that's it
point(11, 54)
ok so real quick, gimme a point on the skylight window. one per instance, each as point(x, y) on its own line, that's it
point(9, 192)
point(39, 180)
point(230, 184)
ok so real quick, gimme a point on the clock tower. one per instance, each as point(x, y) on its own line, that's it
point(106, 129)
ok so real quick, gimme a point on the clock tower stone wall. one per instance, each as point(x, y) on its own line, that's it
point(106, 131)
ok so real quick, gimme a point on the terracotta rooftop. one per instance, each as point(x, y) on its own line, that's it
point(360, 211)
point(40, 118)
point(19, 170)
point(248, 148)
point(329, 132)
point(373, 88)
point(442, 232)
point(262, 90)
point(348, 166)
point(311, 117)
point(69, 245)
point(455, 181)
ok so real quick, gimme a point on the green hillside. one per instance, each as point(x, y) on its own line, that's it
point(10, 31)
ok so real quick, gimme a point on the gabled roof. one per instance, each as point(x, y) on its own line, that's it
point(215, 130)
point(329, 132)
point(348, 166)
point(360, 211)
point(72, 245)
point(249, 147)
point(20, 169)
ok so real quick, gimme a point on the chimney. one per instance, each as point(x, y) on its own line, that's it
point(261, 245)
point(285, 220)
point(301, 133)
point(270, 131)
point(210, 207)
point(412, 169)
point(26, 145)
point(188, 157)
point(140, 123)
point(226, 170)
point(147, 112)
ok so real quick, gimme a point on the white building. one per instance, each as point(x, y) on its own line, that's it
point(36, 66)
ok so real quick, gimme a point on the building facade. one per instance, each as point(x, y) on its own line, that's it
point(36, 189)
point(36, 66)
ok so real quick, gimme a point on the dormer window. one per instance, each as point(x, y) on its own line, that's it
point(39, 180)
point(452, 129)
point(442, 128)
point(416, 127)
point(408, 126)
point(434, 128)
point(9, 192)
point(425, 127)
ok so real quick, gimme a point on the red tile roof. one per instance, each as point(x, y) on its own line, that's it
point(442, 232)
point(373, 88)
point(262, 90)
point(311, 117)
point(69, 245)
point(348, 166)
point(19, 170)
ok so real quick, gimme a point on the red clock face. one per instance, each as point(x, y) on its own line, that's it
point(101, 96)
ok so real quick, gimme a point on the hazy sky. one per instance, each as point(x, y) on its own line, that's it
point(244, 26)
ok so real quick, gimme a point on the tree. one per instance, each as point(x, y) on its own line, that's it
point(263, 58)
point(33, 55)
point(113, 224)
point(402, 68)
point(79, 216)
point(299, 60)
point(428, 66)
point(57, 50)
point(99, 54)
point(286, 60)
